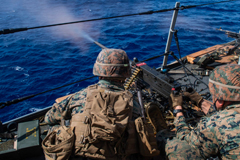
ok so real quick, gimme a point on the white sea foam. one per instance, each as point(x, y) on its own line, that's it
point(17, 68)
point(34, 109)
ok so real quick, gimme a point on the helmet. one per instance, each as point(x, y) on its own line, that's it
point(112, 63)
point(224, 83)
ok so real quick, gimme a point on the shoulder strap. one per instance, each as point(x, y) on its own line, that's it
point(92, 91)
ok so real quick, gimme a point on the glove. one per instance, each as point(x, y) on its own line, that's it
point(193, 96)
point(176, 100)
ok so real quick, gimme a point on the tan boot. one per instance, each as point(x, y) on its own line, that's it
point(155, 117)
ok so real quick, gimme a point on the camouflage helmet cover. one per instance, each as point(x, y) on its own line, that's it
point(112, 63)
point(224, 83)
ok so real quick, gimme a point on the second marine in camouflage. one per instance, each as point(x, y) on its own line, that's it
point(217, 134)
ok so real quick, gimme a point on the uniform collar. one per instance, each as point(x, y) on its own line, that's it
point(111, 84)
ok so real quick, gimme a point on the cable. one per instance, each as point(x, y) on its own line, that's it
point(180, 61)
point(175, 57)
point(183, 66)
point(153, 58)
point(176, 39)
point(8, 103)
point(8, 31)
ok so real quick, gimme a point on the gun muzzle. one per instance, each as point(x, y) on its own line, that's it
point(100, 45)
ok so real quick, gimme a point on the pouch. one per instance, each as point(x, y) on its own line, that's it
point(146, 138)
point(58, 144)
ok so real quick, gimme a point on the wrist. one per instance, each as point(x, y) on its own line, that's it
point(179, 114)
point(177, 111)
point(178, 107)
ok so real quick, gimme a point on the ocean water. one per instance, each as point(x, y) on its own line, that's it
point(37, 60)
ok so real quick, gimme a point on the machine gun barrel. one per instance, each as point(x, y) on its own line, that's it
point(100, 45)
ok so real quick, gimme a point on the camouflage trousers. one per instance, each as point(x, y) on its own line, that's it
point(175, 149)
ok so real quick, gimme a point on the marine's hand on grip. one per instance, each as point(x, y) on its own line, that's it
point(193, 96)
point(176, 99)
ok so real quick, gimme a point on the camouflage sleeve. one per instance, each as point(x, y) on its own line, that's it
point(78, 101)
point(211, 111)
point(202, 137)
point(58, 112)
point(181, 127)
point(64, 109)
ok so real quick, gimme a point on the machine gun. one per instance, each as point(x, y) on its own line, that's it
point(149, 76)
point(156, 87)
point(232, 35)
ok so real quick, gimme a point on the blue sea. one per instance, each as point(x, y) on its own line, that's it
point(37, 60)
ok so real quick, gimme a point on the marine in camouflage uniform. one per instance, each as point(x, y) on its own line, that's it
point(112, 67)
point(217, 134)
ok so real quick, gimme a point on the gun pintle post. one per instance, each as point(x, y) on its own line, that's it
point(100, 45)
